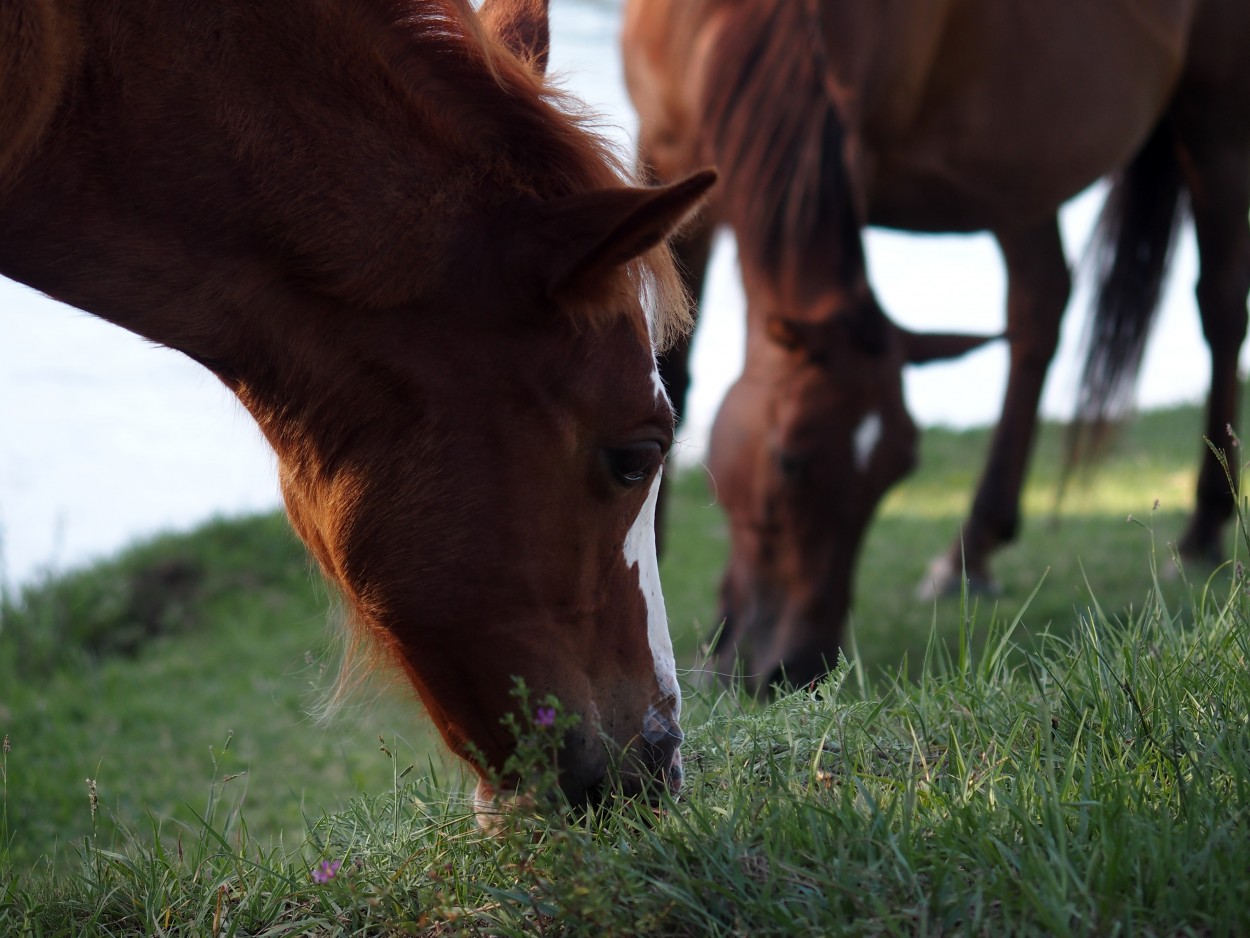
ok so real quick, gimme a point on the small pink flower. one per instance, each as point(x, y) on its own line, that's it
point(326, 871)
point(545, 716)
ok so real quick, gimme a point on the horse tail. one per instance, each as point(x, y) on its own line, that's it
point(1131, 251)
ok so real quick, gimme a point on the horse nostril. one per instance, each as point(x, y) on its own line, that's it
point(662, 731)
point(662, 749)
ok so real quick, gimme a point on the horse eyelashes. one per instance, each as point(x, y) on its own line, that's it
point(633, 465)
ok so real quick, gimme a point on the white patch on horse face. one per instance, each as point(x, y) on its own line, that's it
point(640, 552)
point(867, 436)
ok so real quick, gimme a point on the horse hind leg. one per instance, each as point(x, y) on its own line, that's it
point(1038, 286)
point(1218, 175)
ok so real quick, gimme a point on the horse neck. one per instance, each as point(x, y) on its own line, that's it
point(206, 162)
point(786, 189)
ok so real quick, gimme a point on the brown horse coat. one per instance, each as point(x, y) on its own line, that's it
point(384, 232)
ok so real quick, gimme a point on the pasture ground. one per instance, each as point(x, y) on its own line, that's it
point(1069, 757)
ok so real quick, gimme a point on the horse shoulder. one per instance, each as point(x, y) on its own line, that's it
point(38, 48)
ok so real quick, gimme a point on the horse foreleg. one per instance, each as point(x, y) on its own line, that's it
point(1219, 183)
point(1038, 285)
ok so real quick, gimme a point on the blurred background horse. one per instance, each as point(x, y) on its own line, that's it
point(923, 115)
point(382, 230)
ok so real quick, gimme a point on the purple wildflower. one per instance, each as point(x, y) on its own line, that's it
point(545, 716)
point(326, 871)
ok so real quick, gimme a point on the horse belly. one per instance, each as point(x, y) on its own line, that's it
point(1020, 111)
point(978, 192)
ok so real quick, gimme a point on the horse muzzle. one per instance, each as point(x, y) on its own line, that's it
point(660, 749)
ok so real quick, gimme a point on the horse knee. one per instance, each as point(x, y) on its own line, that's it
point(1222, 305)
point(1034, 347)
point(1034, 313)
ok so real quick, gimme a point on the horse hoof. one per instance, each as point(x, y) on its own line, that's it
point(1201, 557)
point(1201, 552)
point(944, 579)
point(941, 579)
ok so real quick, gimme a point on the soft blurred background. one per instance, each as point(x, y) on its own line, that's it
point(106, 439)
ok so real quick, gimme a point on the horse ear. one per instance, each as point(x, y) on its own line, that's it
point(920, 348)
point(522, 26)
point(588, 236)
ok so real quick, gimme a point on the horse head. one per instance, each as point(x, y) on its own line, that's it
point(489, 512)
point(502, 525)
point(428, 283)
point(805, 445)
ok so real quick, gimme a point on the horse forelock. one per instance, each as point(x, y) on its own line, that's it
point(778, 139)
point(648, 290)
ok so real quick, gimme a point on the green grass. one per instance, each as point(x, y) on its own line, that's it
point(188, 659)
point(1070, 758)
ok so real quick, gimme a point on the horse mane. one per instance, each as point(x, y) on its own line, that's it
point(785, 190)
point(1131, 253)
point(528, 135)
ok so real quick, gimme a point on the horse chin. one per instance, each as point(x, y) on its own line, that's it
point(497, 812)
point(491, 809)
point(581, 785)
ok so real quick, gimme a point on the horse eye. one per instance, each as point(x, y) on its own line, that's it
point(632, 465)
point(793, 466)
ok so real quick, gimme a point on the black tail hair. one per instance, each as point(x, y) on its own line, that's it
point(1132, 248)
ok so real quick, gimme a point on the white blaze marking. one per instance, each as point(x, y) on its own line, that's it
point(640, 552)
point(867, 436)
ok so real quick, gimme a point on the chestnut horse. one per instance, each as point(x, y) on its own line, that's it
point(930, 116)
point(426, 280)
